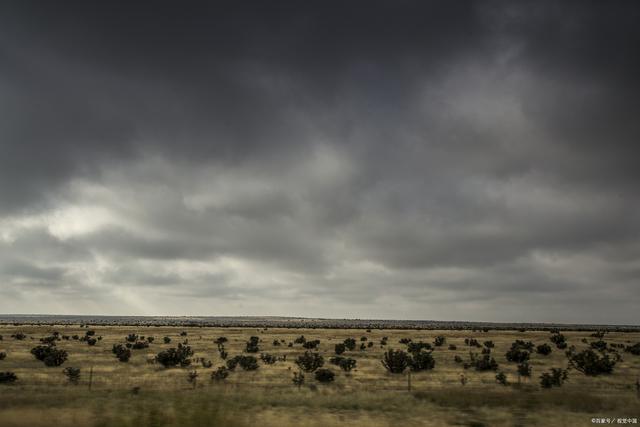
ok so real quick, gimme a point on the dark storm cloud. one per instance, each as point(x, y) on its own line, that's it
point(305, 151)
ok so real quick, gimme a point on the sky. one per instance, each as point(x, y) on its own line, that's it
point(364, 159)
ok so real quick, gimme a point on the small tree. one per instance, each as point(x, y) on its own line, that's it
point(544, 349)
point(8, 377)
point(340, 348)
point(220, 374)
point(422, 361)
point(395, 361)
point(350, 343)
point(324, 375)
point(309, 362)
point(50, 355)
point(590, 363)
point(298, 379)
point(501, 378)
point(252, 345)
point(267, 358)
point(175, 356)
point(73, 374)
point(554, 378)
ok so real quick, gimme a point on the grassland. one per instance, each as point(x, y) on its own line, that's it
point(142, 393)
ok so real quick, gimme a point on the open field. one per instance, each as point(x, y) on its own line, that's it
point(143, 393)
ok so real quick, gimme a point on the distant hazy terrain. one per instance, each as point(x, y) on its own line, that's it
point(291, 322)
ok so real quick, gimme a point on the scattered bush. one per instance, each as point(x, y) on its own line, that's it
point(472, 342)
point(325, 375)
point(73, 374)
point(416, 347)
point(422, 361)
point(192, 377)
point(248, 363)
point(206, 363)
point(19, 336)
point(544, 349)
point(276, 343)
point(175, 356)
point(8, 377)
point(501, 378)
point(252, 345)
point(267, 358)
point(91, 341)
point(311, 345)
point(345, 363)
point(489, 344)
point(309, 362)
point(559, 340)
point(3, 355)
point(300, 340)
point(524, 370)
point(590, 363)
point(483, 363)
point(139, 345)
point(167, 340)
point(50, 355)
point(439, 341)
point(519, 351)
point(220, 374)
point(598, 345)
point(131, 338)
point(453, 347)
point(340, 348)
point(405, 341)
point(395, 361)
point(221, 340)
point(122, 353)
point(298, 379)
point(633, 349)
point(554, 378)
point(350, 343)
point(457, 359)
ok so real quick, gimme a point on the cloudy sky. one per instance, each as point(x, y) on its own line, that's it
point(364, 159)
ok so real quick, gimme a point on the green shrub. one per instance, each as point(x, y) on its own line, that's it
point(324, 375)
point(395, 361)
point(422, 361)
point(252, 345)
point(175, 356)
point(73, 374)
point(439, 341)
point(267, 358)
point(8, 377)
point(248, 363)
point(416, 347)
point(167, 340)
point(340, 348)
point(590, 363)
point(633, 349)
point(122, 353)
point(524, 370)
point(544, 349)
point(501, 378)
point(554, 378)
point(350, 343)
point(50, 355)
point(309, 362)
point(220, 374)
point(311, 345)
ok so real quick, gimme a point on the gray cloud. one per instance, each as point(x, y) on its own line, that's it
point(473, 160)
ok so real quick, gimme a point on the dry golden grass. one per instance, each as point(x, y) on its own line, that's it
point(367, 396)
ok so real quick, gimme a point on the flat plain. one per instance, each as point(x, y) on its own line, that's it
point(142, 392)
